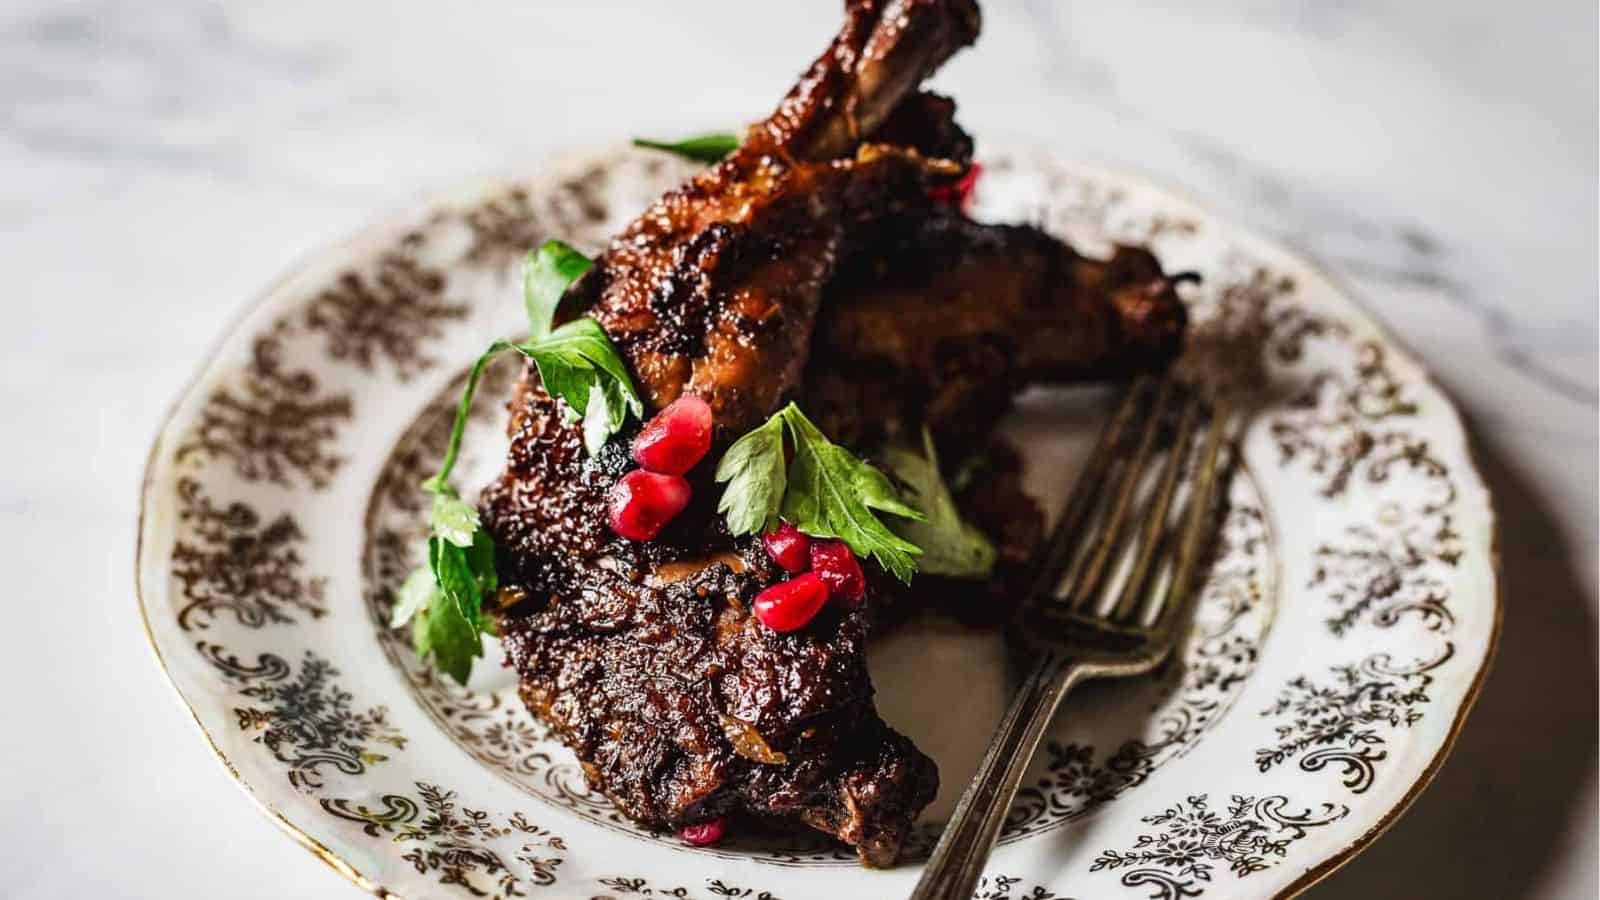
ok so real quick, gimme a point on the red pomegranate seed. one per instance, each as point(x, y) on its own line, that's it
point(788, 547)
point(644, 502)
point(790, 604)
point(676, 438)
point(960, 193)
point(839, 570)
point(703, 834)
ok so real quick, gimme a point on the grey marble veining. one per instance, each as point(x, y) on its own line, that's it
point(161, 161)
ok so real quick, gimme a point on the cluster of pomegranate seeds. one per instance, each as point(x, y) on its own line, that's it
point(839, 570)
point(825, 569)
point(676, 439)
point(703, 834)
point(788, 547)
point(670, 444)
point(959, 194)
point(789, 605)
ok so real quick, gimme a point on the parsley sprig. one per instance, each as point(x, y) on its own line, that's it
point(444, 599)
point(577, 364)
point(707, 148)
point(950, 545)
point(825, 491)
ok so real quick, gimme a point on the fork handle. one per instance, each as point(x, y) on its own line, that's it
point(953, 869)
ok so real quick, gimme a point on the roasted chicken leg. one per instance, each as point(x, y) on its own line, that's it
point(715, 289)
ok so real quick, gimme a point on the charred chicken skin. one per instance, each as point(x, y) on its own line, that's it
point(806, 264)
point(943, 320)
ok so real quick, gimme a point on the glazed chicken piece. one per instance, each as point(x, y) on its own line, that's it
point(944, 320)
point(647, 662)
point(644, 657)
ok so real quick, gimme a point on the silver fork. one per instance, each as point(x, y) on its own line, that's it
point(1090, 612)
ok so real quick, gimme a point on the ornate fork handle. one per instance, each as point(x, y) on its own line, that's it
point(958, 860)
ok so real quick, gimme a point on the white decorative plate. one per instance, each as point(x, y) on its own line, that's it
point(1347, 620)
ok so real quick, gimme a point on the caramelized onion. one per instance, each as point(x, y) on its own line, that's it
point(748, 742)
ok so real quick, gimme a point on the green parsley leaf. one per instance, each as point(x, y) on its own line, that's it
point(546, 275)
point(457, 582)
point(442, 632)
point(950, 546)
point(446, 597)
point(577, 362)
point(707, 148)
point(825, 491)
point(574, 362)
point(453, 518)
point(831, 493)
point(480, 559)
point(754, 472)
point(415, 595)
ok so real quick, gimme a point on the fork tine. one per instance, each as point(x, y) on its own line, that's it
point(1194, 530)
point(1081, 593)
point(1046, 571)
point(1136, 586)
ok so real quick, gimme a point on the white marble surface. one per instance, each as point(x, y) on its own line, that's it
point(161, 161)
